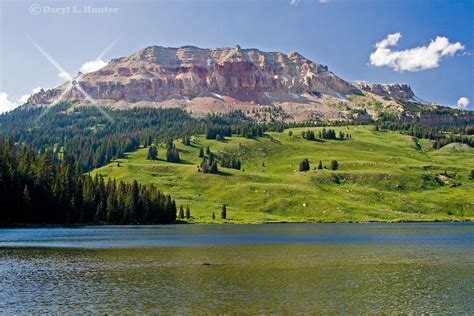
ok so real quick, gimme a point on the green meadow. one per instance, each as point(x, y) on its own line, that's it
point(382, 176)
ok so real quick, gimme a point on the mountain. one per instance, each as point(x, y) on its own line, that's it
point(394, 90)
point(264, 85)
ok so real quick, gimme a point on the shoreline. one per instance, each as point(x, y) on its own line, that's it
point(467, 220)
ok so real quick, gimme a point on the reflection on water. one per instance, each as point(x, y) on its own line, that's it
point(220, 269)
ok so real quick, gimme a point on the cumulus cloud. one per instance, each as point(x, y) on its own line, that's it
point(86, 68)
point(37, 89)
point(24, 99)
point(463, 102)
point(8, 104)
point(5, 104)
point(295, 2)
point(412, 59)
point(95, 65)
point(63, 75)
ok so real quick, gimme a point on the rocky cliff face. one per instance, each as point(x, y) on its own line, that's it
point(158, 74)
point(264, 85)
point(433, 118)
point(395, 91)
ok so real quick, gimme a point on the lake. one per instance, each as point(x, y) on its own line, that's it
point(245, 269)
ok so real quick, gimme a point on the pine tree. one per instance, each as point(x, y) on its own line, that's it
point(310, 135)
point(320, 166)
point(201, 152)
point(188, 212)
point(181, 212)
point(27, 203)
point(304, 165)
point(213, 215)
point(186, 140)
point(172, 154)
point(224, 212)
point(152, 153)
point(214, 168)
point(334, 165)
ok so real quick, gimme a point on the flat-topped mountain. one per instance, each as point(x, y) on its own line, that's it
point(158, 74)
point(264, 85)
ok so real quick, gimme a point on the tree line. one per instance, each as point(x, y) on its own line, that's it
point(36, 189)
point(441, 135)
point(323, 134)
point(305, 165)
point(93, 141)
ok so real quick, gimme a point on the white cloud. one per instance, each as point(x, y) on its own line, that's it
point(295, 2)
point(463, 102)
point(95, 65)
point(24, 99)
point(5, 104)
point(413, 59)
point(86, 68)
point(37, 89)
point(64, 76)
point(9, 104)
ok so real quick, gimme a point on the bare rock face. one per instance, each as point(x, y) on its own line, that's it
point(158, 74)
point(395, 91)
point(433, 118)
point(263, 85)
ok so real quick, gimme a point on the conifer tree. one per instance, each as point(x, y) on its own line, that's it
point(188, 212)
point(320, 165)
point(334, 165)
point(304, 165)
point(181, 212)
point(186, 140)
point(27, 202)
point(224, 212)
point(172, 154)
point(214, 169)
point(152, 153)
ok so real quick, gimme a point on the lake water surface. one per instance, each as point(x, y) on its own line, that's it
point(248, 269)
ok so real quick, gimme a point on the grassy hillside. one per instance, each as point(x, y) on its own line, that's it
point(382, 176)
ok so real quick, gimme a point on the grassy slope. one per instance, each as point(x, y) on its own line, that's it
point(383, 177)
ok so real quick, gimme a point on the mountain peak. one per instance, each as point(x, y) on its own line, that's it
point(389, 90)
point(159, 74)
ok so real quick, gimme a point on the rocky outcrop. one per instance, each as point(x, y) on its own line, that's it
point(457, 118)
point(395, 91)
point(158, 74)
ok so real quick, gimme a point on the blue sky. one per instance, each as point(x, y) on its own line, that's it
point(340, 34)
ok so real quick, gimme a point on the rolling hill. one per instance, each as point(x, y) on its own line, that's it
point(382, 176)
